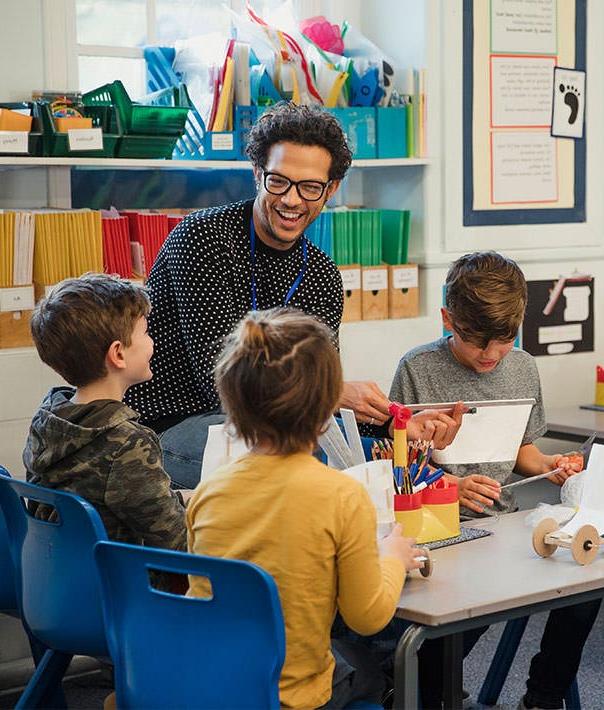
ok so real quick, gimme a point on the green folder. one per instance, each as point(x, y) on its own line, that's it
point(395, 236)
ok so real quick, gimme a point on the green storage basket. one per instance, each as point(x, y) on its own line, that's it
point(56, 145)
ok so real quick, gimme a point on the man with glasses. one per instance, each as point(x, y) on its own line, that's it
point(219, 263)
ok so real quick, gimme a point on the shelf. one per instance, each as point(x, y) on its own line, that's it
point(133, 163)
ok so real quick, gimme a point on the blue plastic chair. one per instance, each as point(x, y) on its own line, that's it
point(174, 651)
point(502, 662)
point(8, 597)
point(56, 585)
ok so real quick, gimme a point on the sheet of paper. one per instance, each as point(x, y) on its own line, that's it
point(221, 449)
point(521, 91)
point(493, 434)
point(591, 505)
point(568, 111)
point(523, 167)
point(520, 26)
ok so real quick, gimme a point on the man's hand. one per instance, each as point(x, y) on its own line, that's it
point(569, 463)
point(437, 425)
point(367, 401)
point(475, 491)
point(403, 548)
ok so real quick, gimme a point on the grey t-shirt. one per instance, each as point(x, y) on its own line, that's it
point(430, 373)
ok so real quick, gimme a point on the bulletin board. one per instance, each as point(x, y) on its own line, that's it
point(514, 170)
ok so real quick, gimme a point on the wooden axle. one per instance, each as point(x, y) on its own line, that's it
point(547, 537)
point(428, 568)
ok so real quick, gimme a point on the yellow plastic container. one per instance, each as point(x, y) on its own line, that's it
point(408, 512)
point(599, 386)
point(440, 512)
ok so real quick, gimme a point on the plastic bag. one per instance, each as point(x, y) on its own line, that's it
point(572, 489)
point(560, 513)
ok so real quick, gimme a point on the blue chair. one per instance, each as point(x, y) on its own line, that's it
point(502, 662)
point(8, 597)
point(56, 580)
point(168, 650)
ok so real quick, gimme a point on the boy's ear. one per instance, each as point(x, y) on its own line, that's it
point(115, 356)
point(446, 319)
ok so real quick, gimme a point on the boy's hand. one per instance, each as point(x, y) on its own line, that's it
point(437, 425)
point(569, 463)
point(476, 492)
point(367, 401)
point(403, 548)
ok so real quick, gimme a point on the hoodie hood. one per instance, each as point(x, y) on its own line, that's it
point(60, 428)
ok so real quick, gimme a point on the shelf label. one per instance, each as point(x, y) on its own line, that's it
point(13, 141)
point(351, 279)
point(404, 277)
point(375, 279)
point(222, 141)
point(85, 138)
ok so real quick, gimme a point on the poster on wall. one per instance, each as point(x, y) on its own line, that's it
point(521, 164)
point(559, 317)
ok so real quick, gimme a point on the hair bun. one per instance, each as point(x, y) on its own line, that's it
point(254, 338)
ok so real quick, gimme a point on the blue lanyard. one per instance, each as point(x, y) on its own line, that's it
point(297, 280)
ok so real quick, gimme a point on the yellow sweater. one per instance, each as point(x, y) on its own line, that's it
point(314, 530)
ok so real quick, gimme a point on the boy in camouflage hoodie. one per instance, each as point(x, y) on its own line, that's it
point(93, 332)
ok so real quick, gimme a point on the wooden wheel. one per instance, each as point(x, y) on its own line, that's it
point(428, 568)
point(585, 544)
point(545, 527)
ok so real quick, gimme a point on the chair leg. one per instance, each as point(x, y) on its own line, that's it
point(572, 701)
point(45, 682)
point(57, 698)
point(502, 660)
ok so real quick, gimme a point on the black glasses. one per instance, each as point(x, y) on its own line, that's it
point(309, 190)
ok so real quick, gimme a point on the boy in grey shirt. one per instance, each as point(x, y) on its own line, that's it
point(486, 298)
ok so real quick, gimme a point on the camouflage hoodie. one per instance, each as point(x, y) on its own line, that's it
point(101, 452)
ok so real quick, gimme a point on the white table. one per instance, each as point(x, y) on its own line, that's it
point(574, 424)
point(482, 582)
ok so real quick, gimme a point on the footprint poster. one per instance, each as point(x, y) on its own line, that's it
point(568, 105)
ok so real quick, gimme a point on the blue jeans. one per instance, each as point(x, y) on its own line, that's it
point(183, 446)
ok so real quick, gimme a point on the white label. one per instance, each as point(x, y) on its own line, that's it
point(404, 278)
point(375, 279)
point(560, 333)
point(17, 299)
point(13, 141)
point(85, 139)
point(351, 279)
point(222, 141)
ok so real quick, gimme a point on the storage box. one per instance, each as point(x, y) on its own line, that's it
point(16, 305)
point(26, 140)
point(358, 124)
point(374, 297)
point(391, 125)
point(13, 121)
point(403, 291)
point(351, 283)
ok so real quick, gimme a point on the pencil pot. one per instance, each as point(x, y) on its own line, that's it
point(408, 512)
point(440, 512)
point(599, 386)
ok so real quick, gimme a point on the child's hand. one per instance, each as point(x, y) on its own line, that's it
point(403, 548)
point(476, 492)
point(569, 463)
point(439, 426)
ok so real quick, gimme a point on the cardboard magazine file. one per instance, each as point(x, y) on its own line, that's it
point(16, 306)
point(351, 283)
point(374, 297)
point(403, 291)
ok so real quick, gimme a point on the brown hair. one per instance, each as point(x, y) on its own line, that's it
point(305, 125)
point(486, 297)
point(76, 323)
point(279, 379)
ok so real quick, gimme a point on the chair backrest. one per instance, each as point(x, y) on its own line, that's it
point(8, 597)
point(56, 579)
point(174, 651)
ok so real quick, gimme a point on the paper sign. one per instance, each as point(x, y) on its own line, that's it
point(521, 91)
point(222, 141)
point(560, 333)
point(351, 279)
point(375, 279)
point(523, 27)
point(493, 434)
point(221, 449)
point(85, 139)
point(568, 106)
point(404, 278)
point(13, 142)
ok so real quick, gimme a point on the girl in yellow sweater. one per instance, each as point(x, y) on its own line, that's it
point(311, 527)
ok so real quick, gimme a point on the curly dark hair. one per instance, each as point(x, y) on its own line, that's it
point(305, 125)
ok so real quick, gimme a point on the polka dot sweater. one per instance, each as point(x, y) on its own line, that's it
point(200, 288)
